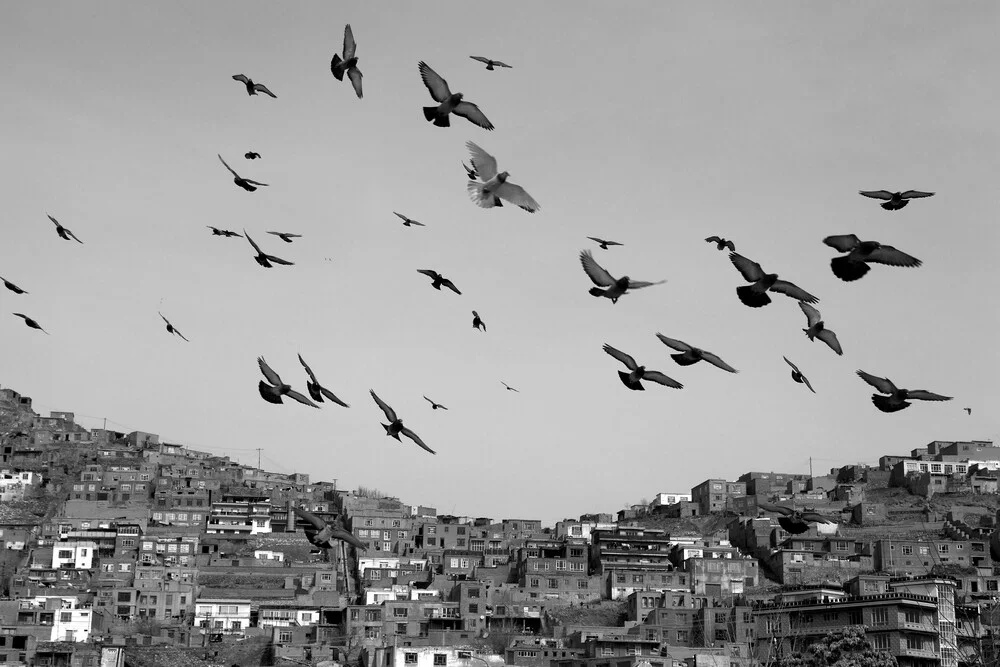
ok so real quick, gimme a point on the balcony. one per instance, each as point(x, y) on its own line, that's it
point(918, 653)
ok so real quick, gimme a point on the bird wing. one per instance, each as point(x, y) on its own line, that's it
point(345, 536)
point(814, 517)
point(429, 401)
point(416, 438)
point(638, 284)
point(261, 88)
point(350, 46)
point(830, 339)
point(229, 168)
point(794, 367)
point(436, 85)
point(594, 270)
point(314, 520)
point(401, 216)
point(714, 239)
point(842, 242)
point(73, 235)
point(596, 240)
point(473, 113)
point(884, 385)
point(730, 245)
point(312, 376)
point(163, 318)
point(915, 194)
point(255, 182)
point(716, 361)
point(481, 59)
point(278, 260)
point(675, 344)
point(751, 270)
point(516, 195)
point(812, 315)
point(241, 78)
point(183, 337)
point(888, 255)
point(482, 162)
point(271, 376)
point(390, 414)
point(779, 509)
point(793, 290)
point(330, 395)
point(660, 378)
point(876, 194)
point(622, 357)
point(255, 246)
point(428, 272)
point(54, 221)
point(924, 395)
point(805, 381)
point(354, 74)
point(500, 64)
point(300, 398)
point(450, 285)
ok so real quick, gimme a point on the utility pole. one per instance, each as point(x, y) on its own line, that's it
point(810, 466)
point(258, 458)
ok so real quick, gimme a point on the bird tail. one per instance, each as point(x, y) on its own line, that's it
point(441, 120)
point(267, 393)
point(885, 405)
point(894, 206)
point(683, 360)
point(847, 270)
point(751, 298)
point(634, 385)
point(596, 291)
point(336, 68)
point(478, 194)
point(810, 336)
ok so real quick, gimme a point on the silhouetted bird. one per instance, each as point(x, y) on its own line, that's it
point(798, 376)
point(721, 243)
point(449, 103)
point(286, 236)
point(12, 287)
point(63, 232)
point(968, 411)
point(31, 323)
point(898, 398)
point(273, 392)
point(263, 258)
point(434, 406)
point(395, 426)
point(691, 355)
point(755, 295)
point(316, 390)
point(223, 232)
point(477, 322)
point(637, 372)
point(495, 186)
point(172, 329)
point(349, 63)
point(854, 265)
point(323, 533)
point(615, 287)
point(490, 64)
point(817, 329)
point(508, 387)
point(895, 200)
point(251, 155)
point(793, 520)
point(472, 174)
point(244, 183)
point(253, 88)
point(604, 244)
point(439, 280)
point(409, 221)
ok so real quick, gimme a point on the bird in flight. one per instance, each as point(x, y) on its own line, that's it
point(614, 287)
point(793, 520)
point(854, 264)
point(473, 175)
point(222, 232)
point(323, 533)
point(691, 355)
point(798, 376)
point(490, 64)
point(439, 280)
point(263, 258)
point(409, 221)
point(817, 329)
point(508, 387)
point(316, 390)
point(755, 295)
point(273, 392)
point(253, 88)
point(968, 411)
point(604, 244)
point(721, 243)
point(244, 183)
point(495, 186)
point(637, 372)
point(172, 329)
point(349, 63)
point(477, 322)
point(12, 287)
point(434, 406)
point(449, 103)
point(64, 233)
point(286, 236)
point(895, 200)
point(251, 155)
point(395, 426)
point(898, 398)
point(31, 323)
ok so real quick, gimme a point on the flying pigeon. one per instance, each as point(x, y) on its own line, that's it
point(509, 388)
point(439, 280)
point(434, 406)
point(895, 200)
point(817, 329)
point(63, 232)
point(632, 379)
point(315, 389)
point(449, 103)
point(263, 258)
point(898, 398)
point(31, 323)
point(286, 236)
point(172, 329)
point(473, 175)
point(793, 520)
point(755, 295)
point(477, 322)
point(273, 392)
point(490, 63)
point(798, 376)
point(854, 265)
point(495, 186)
point(222, 232)
point(395, 426)
point(253, 88)
point(615, 287)
point(690, 355)
point(12, 287)
point(349, 63)
point(409, 221)
point(323, 533)
point(604, 244)
point(968, 411)
point(251, 155)
point(721, 243)
point(245, 183)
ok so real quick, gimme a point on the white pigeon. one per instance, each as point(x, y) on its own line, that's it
point(495, 186)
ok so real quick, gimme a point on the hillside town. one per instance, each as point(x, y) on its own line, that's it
point(123, 549)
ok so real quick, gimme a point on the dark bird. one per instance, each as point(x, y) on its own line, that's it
point(448, 102)
point(721, 243)
point(854, 264)
point(273, 392)
point(898, 398)
point(223, 232)
point(477, 322)
point(409, 221)
point(286, 236)
point(349, 63)
point(490, 64)
point(395, 426)
point(251, 155)
point(434, 406)
point(323, 533)
point(755, 295)
point(495, 186)
point(263, 258)
point(439, 280)
point(615, 287)
point(508, 387)
point(245, 183)
point(472, 174)
point(895, 200)
point(817, 329)
point(968, 411)
point(63, 232)
point(316, 390)
point(798, 376)
point(31, 323)
point(632, 379)
point(793, 520)
point(172, 329)
point(12, 287)
point(604, 244)
point(253, 88)
point(691, 355)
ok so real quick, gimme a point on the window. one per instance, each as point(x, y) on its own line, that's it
point(284, 637)
point(440, 659)
point(636, 578)
point(915, 642)
point(409, 658)
point(535, 583)
point(396, 523)
point(65, 617)
point(907, 550)
point(65, 553)
point(553, 583)
point(721, 634)
point(943, 548)
point(912, 616)
point(880, 616)
point(854, 618)
point(401, 628)
point(473, 592)
point(880, 642)
point(399, 612)
point(682, 636)
point(473, 608)
point(128, 543)
point(582, 583)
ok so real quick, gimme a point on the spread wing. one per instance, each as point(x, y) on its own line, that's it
point(516, 195)
point(481, 59)
point(164, 319)
point(344, 536)
point(278, 260)
point(805, 381)
point(436, 85)
point(594, 270)
point(915, 194)
point(596, 240)
point(390, 414)
point(814, 517)
point(793, 290)
point(354, 74)
point(812, 315)
point(660, 378)
point(888, 255)
point(780, 509)
point(830, 339)
point(178, 332)
point(749, 269)
point(349, 45)
point(228, 167)
point(450, 285)
point(434, 275)
point(300, 398)
point(330, 395)
point(622, 357)
point(56, 222)
point(842, 242)
point(271, 376)
point(472, 112)
point(500, 64)
point(315, 522)
point(255, 182)
point(638, 284)
point(675, 344)
point(924, 395)
point(261, 88)
point(73, 235)
point(242, 78)
point(876, 194)
point(884, 385)
point(482, 162)
point(255, 246)
point(714, 239)
point(312, 376)
point(794, 367)
point(716, 361)
point(416, 438)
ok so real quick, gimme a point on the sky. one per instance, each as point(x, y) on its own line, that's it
point(650, 123)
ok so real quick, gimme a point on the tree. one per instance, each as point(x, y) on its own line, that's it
point(841, 648)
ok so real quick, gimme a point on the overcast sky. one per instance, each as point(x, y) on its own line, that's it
point(654, 124)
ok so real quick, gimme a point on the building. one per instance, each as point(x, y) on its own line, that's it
point(222, 615)
point(715, 495)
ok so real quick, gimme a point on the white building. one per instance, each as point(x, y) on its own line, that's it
point(435, 656)
point(222, 615)
point(392, 563)
point(376, 596)
point(670, 499)
point(73, 555)
point(14, 484)
point(284, 617)
point(262, 554)
point(70, 621)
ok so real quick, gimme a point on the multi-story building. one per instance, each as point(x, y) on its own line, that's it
point(68, 620)
point(714, 495)
point(14, 485)
point(239, 515)
point(629, 548)
point(222, 615)
point(73, 555)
